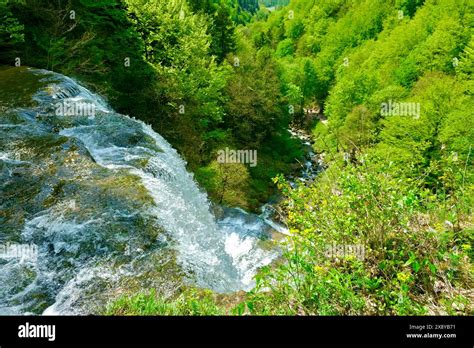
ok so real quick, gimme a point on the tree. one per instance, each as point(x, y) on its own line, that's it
point(11, 32)
point(230, 182)
point(222, 33)
point(252, 108)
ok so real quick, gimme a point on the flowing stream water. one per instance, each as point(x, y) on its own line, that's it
point(107, 206)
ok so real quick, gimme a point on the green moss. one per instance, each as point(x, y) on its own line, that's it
point(18, 85)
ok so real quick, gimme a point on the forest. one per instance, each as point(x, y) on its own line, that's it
point(380, 89)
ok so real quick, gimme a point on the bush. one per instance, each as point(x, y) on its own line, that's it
point(410, 259)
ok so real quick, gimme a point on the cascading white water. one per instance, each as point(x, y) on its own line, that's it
point(221, 255)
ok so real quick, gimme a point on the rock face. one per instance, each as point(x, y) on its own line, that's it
point(105, 201)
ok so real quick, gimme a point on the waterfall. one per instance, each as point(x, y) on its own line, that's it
point(108, 202)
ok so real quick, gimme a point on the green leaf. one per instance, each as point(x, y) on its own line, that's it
point(416, 266)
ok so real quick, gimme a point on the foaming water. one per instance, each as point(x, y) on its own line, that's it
point(125, 198)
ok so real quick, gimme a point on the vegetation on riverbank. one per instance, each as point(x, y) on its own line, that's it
point(415, 260)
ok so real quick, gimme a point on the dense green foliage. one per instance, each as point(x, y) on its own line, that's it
point(413, 261)
point(275, 3)
point(11, 31)
point(208, 75)
point(404, 188)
